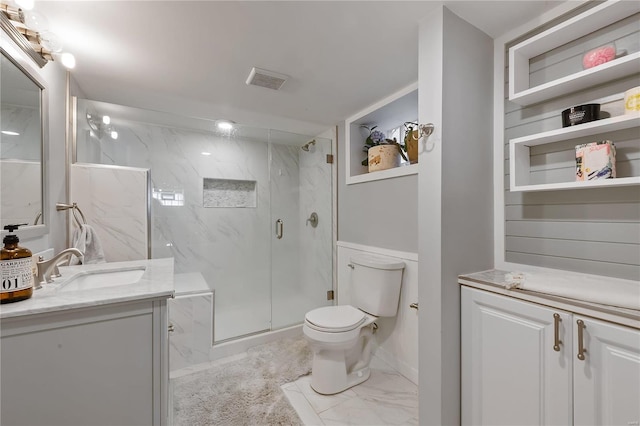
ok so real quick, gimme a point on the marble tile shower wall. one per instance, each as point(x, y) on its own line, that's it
point(231, 247)
point(114, 201)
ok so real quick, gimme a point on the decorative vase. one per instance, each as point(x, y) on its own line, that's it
point(411, 144)
point(382, 157)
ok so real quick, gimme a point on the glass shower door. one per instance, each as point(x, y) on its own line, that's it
point(301, 217)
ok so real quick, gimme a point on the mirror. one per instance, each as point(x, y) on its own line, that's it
point(22, 146)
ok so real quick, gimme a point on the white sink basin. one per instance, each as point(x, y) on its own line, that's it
point(101, 279)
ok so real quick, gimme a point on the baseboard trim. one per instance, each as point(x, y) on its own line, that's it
point(404, 369)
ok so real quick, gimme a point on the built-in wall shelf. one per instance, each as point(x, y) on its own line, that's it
point(627, 181)
point(580, 25)
point(410, 169)
point(520, 154)
point(612, 124)
point(387, 114)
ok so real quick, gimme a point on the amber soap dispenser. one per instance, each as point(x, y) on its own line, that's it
point(16, 269)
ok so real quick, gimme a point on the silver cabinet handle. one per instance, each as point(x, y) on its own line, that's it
point(556, 332)
point(581, 349)
point(279, 228)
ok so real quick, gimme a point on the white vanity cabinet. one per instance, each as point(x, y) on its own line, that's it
point(100, 365)
point(511, 373)
point(607, 382)
point(520, 365)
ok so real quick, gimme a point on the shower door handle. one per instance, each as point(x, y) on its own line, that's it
point(279, 228)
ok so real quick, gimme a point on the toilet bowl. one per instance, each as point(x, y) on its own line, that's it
point(337, 336)
point(341, 337)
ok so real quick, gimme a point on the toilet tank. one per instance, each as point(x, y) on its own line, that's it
point(375, 284)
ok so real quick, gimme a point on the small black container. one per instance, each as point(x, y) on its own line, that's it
point(580, 114)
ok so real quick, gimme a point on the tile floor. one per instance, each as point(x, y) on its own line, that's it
point(386, 398)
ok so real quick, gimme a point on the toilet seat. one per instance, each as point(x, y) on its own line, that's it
point(335, 319)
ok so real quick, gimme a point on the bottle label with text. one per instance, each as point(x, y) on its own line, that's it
point(16, 274)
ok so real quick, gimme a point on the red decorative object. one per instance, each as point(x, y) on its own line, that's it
point(598, 56)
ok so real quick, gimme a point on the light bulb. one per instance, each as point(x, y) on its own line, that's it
point(68, 60)
point(51, 42)
point(205, 153)
point(10, 133)
point(114, 134)
point(25, 4)
point(106, 119)
point(225, 125)
point(36, 21)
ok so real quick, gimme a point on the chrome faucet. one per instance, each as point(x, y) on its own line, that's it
point(48, 269)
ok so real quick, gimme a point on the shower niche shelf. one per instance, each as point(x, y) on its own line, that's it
point(228, 193)
point(387, 114)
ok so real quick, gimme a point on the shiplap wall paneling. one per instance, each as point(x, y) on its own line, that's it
point(595, 230)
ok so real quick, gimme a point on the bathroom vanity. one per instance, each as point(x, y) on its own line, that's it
point(534, 358)
point(90, 348)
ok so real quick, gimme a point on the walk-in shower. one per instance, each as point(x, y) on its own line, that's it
point(231, 207)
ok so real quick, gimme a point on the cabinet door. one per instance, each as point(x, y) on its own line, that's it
point(511, 374)
point(80, 369)
point(607, 380)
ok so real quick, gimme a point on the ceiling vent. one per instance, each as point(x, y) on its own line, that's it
point(266, 78)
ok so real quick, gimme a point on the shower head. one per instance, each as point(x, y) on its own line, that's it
point(308, 145)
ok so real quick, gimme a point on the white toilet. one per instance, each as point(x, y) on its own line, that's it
point(341, 337)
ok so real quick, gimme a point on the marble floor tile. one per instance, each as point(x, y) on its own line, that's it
point(351, 412)
point(320, 402)
point(386, 398)
point(299, 403)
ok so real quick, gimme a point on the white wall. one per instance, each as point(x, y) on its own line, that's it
point(396, 337)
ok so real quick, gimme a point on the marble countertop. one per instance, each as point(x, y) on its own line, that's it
point(156, 282)
point(610, 299)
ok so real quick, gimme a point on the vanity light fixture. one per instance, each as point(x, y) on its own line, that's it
point(114, 134)
point(29, 29)
point(106, 119)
